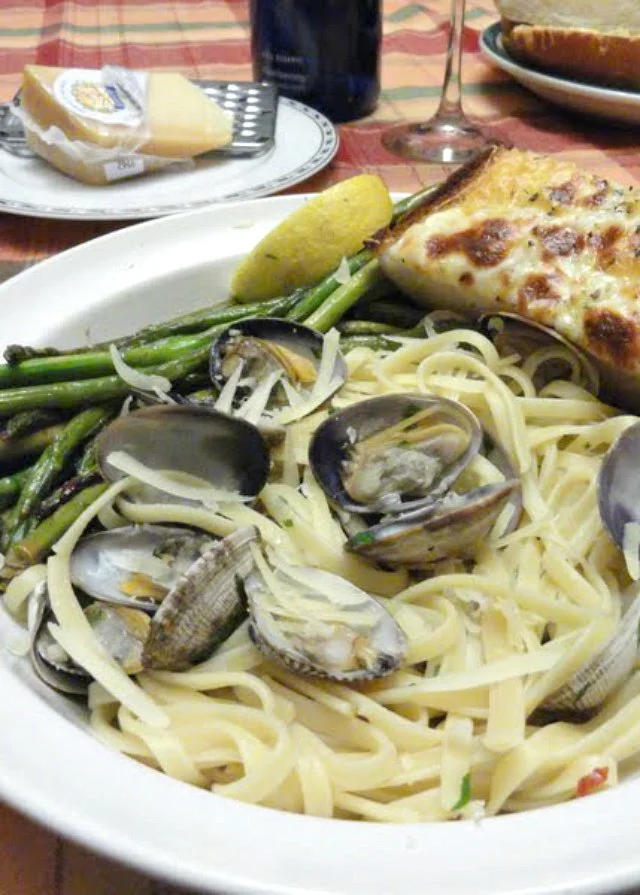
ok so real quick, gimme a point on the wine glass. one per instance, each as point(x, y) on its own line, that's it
point(449, 136)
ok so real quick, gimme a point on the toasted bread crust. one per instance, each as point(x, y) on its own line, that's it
point(450, 190)
point(600, 15)
point(608, 59)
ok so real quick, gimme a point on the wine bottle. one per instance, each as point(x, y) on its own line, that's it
point(325, 53)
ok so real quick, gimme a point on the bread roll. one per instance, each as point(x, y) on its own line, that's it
point(598, 15)
point(597, 41)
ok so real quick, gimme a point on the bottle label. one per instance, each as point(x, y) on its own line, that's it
point(287, 70)
point(89, 93)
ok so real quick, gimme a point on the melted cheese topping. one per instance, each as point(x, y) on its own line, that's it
point(535, 236)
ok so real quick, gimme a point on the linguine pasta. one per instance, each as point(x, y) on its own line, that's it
point(455, 732)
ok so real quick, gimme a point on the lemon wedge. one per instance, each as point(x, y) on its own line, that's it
point(312, 241)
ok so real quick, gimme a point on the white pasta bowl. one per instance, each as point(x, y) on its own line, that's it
point(54, 770)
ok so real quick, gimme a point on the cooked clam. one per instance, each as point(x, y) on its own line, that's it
point(454, 527)
point(605, 672)
point(120, 630)
point(619, 505)
point(205, 606)
point(619, 490)
point(393, 454)
point(318, 624)
point(281, 356)
point(136, 566)
point(196, 579)
point(554, 356)
point(49, 661)
point(195, 440)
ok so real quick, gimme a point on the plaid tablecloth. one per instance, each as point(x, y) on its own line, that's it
point(208, 39)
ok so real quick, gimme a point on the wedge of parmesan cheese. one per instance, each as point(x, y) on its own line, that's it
point(103, 125)
point(178, 120)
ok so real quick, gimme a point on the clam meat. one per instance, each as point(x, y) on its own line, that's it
point(137, 565)
point(262, 363)
point(318, 624)
point(120, 630)
point(393, 454)
point(390, 467)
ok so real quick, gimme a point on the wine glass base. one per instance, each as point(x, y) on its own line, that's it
point(446, 142)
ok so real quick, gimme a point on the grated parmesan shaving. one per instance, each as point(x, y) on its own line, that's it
point(170, 483)
point(293, 397)
point(226, 396)
point(325, 384)
point(146, 382)
point(343, 273)
point(631, 549)
point(133, 561)
point(296, 587)
point(290, 473)
point(254, 407)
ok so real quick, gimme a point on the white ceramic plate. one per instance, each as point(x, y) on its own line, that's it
point(305, 142)
point(622, 106)
point(55, 771)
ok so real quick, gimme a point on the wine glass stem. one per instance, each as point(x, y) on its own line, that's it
point(450, 107)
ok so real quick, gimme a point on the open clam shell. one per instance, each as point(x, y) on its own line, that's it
point(120, 630)
point(619, 489)
point(604, 673)
point(455, 527)
point(320, 625)
point(136, 566)
point(513, 334)
point(267, 345)
point(201, 610)
point(393, 454)
point(204, 608)
point(187, 438)
point(48, 661)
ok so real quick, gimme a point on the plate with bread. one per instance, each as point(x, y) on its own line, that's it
point(115, 143)
point(574, 54)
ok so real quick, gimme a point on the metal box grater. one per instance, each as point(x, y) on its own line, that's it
point(253, 105)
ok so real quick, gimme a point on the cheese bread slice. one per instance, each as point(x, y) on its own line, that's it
point(537, 236)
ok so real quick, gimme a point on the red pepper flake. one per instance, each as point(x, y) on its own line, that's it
point(593, 781)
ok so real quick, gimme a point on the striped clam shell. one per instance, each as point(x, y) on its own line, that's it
point(204, 608)
point(604, 673)
point(343, 634)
